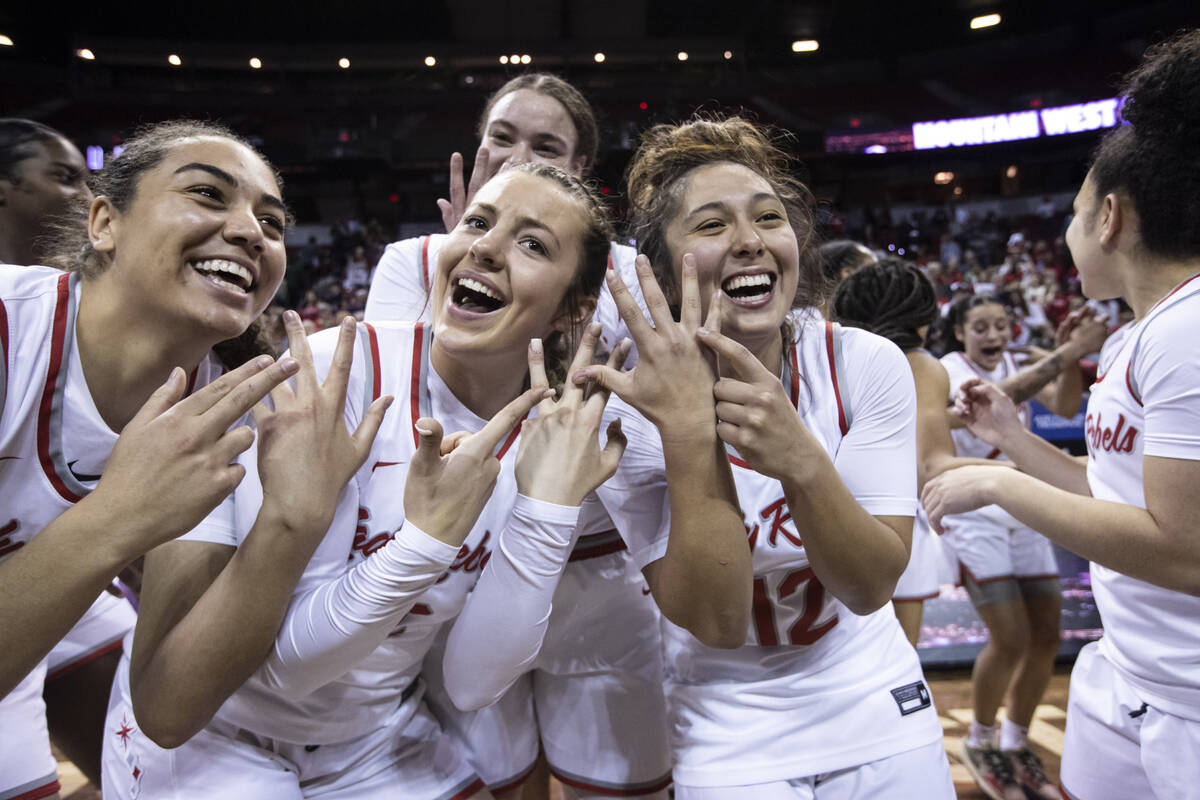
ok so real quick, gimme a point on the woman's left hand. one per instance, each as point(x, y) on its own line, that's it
point(959, 490)
point(560, 459)
point(755, 415)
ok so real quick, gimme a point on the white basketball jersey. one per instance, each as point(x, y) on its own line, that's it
point(390, 358)
point(1146, 402)
point(816, 688)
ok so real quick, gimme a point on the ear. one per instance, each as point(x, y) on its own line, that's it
point(565, 322)
point(1112, 217)
point(102, 221)
point(960, 333)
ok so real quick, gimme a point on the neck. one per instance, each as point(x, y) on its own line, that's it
point(1146, 284)
point(15, 247)
point(484, 385)
point(768, 350)
point(126, 357)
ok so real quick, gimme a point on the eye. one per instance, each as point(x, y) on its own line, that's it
point(501, 138)
point(533, 245)
point(710, 225)
point(272, 221)
point(770, 216)
point(549, 152)
point(476, 222)
point(210, 192)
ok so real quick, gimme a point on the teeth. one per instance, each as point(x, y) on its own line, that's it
point(476, 286)
point(217, 265)
point(745, 281)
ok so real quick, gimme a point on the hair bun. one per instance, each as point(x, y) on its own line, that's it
point(1162, 95)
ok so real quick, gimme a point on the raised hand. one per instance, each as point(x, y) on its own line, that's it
point(560, 459)
point(460, 197)
point(305, 453)
point(988, 413)
point(959, 490)
point(173, 462)
point(754, 413)
point(672, 382)
point(447, 488)
point(1088, 333)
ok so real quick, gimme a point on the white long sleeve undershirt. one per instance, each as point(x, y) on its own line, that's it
point(329, 629)
point(499, 633)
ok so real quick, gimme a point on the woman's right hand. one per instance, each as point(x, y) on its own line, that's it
point(305, 453)
point(672, 384)
point(175, 460)
point(448, 486)
point(460, 193)
point(988, 413)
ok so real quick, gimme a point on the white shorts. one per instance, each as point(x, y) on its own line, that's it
point(27, 767)
point(986, 551)
point(1109, 754)
point(596, 691)
point(223, 761)
point(920, 773)
point(920, 578)
point(99, 631)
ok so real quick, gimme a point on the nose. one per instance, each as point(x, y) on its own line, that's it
point(486, 251)
point(520, 154)
point(243, 228)
point(747, 242)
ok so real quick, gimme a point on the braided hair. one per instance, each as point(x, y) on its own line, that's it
point(892, 298)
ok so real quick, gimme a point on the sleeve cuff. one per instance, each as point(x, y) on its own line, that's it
point(418, 541)
point(546, 512)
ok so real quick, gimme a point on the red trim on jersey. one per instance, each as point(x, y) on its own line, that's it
point(1064, 791)
point(833, 374)
point(63, 669)
point(425, 262)
point(1129, 382)
point(373, 340)
point(473, 788)
point(41, 791)
point(996, 451)
point(191, 384)
point(610, 261)
point(512, 437)
point(795, 382)
point(737, 462)
point(4, 334)
point(514, 782)
point(414, 394)
point(1053, 575)
point(57, 342)
point(964, 571)
point(1167, 296)
point(612, 791)
point(595, 545)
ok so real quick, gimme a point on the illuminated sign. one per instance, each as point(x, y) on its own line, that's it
point(1015, 126)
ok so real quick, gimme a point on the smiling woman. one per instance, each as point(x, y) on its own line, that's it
point(113, 345)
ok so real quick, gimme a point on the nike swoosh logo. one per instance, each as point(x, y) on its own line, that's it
point(79, 477)
point(379, 464)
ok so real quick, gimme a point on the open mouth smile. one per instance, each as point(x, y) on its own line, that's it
point(473, 295)
point(750, 289)
point(226, 274)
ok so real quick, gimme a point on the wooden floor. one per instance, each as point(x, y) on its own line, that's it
point(951, 692)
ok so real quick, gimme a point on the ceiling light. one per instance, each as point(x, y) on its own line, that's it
point(682, 55)
point(503, 59)
point(805, 45)
point(255, 63)
point(526, 59)
point(598, 58)
point(5, 41)
point(728, 54)
point(514, 59)
point(430, 61)
point(943, 177)
point(85, 54)
point(1011, 172)
point(344, 63)
point(986, 21)
point(174, 60)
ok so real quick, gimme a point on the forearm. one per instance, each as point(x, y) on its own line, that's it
point(1121, 537)
point(1035, 456)
point(704, 582)
point(221, 640)
point(856, 557)
point(1030, 380)
point(499, 633)
point(332, 627)
point(47, 585)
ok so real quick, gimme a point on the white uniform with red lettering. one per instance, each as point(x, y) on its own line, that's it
point(1135, 694)
point(324, 716)
point(989, 544)
point(600, 659)
point(53, 447)
point(819, 694)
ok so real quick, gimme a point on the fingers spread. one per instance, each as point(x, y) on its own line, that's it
point(656, 301)
point(744, 363)
point(689, 310)
point(364, 436)
point(298, 349)
point(630, 312)
point(507, 418)
point(343, 357)
point(163, 397)
point(537, 373)
point(583, 356)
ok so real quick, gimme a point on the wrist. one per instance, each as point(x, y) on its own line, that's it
point(293, 520)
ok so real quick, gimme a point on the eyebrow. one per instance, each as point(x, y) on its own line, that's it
point(721, 205)
point(541, 137)
point(224, 176)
